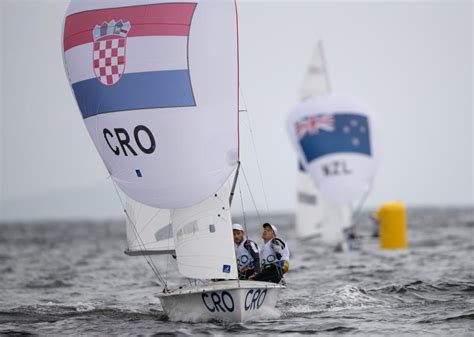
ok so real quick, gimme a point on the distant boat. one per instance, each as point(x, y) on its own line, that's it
point(315, 216)
point(323, 210)
point(157, 87)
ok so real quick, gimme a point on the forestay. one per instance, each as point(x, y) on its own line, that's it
point(157, 86)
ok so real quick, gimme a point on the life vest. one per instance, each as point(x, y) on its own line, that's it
point(247, 254)
point(275, 252)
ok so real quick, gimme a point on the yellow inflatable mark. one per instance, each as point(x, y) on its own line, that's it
point(393, 225)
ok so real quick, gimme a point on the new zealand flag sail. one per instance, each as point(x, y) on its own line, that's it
point(327, 134)
point(126, 58)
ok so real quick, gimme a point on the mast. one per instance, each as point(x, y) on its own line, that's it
point(233, 184)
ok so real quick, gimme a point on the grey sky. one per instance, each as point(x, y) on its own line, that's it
point(411, 62)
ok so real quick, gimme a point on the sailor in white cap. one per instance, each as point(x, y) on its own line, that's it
point(275, 256)
point(248, 258)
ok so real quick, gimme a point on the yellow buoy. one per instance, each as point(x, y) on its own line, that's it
point(393, 225)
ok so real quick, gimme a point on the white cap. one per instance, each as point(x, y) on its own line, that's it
point(238, 227)
point(275, 230)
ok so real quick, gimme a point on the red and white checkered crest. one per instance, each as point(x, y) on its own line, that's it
point(109, 60)
point(109, 51)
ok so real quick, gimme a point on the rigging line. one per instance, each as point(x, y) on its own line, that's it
point(243, 209)
point(242, 100)
point(323, 58)
point(168, 259)
point(147, 258)
point(255, 150)
point(151, 219)
point(357, 213)
point(141, 244)
point(233, 184)
point(251, 195)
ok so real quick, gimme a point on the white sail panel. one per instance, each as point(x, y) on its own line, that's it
point(167, 130)
point(203, 238)
point(308, 207)
point(316, 217)
point(148, 229)
point(334, 139)
point(335, 219)
point(316, 80)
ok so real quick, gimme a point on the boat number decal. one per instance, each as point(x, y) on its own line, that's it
point(254, 299)
point(218, 301)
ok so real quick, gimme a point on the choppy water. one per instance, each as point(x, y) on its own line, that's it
point(73, 278)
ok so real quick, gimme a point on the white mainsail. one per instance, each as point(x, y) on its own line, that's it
point(316, 80)
point(203, 237)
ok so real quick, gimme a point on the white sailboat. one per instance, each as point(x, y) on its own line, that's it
point(157, 85)
point(316, 217)
point(227, 299)
point(181, 234)
point(334, 138)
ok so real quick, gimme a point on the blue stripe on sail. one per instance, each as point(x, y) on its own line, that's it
point(146, 90)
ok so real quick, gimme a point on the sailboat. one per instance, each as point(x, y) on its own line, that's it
point(156, 83)
point(316, 217)
point(334, 138)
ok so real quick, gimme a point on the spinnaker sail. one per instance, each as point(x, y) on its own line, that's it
point(157, 86)
point(156, 83)
point(333, 137)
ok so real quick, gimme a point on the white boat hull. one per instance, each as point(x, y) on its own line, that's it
point(230, 301)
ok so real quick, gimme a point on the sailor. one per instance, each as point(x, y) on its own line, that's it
point(275, 256)
point(248, 257)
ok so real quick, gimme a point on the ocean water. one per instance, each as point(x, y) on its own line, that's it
point(73, 278)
